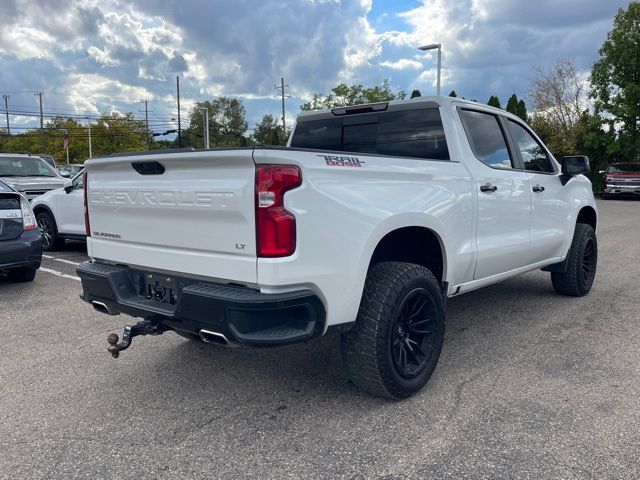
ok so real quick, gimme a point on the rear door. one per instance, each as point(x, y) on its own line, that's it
point(189, 213)
point(504, 196)
point(550, 209)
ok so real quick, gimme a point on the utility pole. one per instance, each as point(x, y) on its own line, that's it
point(6, 111)
point(205, 127)
point(89, 125)
point(39, 94)
point(146, 120)
point(282, 92)
point(179, 127)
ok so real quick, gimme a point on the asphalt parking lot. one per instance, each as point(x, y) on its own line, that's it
point(530, 385)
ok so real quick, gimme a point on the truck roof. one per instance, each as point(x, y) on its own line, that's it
point(417, 102)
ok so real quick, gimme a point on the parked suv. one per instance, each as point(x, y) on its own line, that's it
point(364, 225)
point(60, 214)
point(30, 175)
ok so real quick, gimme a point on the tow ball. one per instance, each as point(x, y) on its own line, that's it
point(143, 327)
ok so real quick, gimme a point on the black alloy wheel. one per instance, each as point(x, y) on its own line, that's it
point(412, 339)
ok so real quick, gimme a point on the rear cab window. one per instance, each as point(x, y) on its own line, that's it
point(415, 133)
point(486, 138)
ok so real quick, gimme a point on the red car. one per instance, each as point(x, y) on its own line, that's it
point(621, 179)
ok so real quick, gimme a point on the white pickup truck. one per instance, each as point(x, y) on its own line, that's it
point(365, 223)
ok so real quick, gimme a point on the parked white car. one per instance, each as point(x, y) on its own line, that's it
point(60, 214)
point(365, 224)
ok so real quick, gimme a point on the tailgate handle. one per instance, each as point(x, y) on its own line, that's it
point(148, 168)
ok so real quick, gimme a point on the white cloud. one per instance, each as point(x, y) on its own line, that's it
point(402, 64)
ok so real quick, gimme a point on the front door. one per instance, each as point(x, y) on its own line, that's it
point(550, 211)
point(70, 208)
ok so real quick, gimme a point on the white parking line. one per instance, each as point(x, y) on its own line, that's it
point(59, 274)
point(60, 260)
point(66, 261)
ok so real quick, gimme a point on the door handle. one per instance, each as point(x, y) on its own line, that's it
point(487, 187)
point(538, 188)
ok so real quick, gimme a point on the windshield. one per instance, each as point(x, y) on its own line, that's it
point(623, 167)
point(25, 167)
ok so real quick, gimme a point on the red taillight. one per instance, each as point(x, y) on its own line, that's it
point(85, 182)
point(275, 226)
point(28, 217)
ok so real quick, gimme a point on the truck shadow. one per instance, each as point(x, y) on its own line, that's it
point(500, 313)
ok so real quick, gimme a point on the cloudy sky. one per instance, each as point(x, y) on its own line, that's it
point(96, 56)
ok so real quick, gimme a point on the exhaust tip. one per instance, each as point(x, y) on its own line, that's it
point(102, 308)
point(216, 338)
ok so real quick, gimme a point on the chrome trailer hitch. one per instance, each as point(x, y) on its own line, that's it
point(143, 327)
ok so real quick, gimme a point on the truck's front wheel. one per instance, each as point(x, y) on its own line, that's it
point(582, 261)
point(395, 344)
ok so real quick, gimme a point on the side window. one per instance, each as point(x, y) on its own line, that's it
point(486, 138)
point(78, 183)
point(533, 155)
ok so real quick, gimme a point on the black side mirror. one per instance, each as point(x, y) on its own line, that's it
point(575, 165)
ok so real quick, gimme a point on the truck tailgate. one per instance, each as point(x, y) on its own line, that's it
point(189, 213)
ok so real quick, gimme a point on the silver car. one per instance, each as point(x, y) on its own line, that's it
point(28, 174)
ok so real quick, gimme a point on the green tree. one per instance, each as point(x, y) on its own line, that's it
point(227, 124)
point(269, 132)
point(512, 104)
point(343, 95)
point(521, 110)
point(453, 93)
point(615, 79)
point(415, 93)
point(494, 101)
point(116, 132)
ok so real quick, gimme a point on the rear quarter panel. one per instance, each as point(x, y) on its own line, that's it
point(342, 212)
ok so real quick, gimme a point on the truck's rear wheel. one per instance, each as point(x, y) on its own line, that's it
point(582, 261)
point(395, 344)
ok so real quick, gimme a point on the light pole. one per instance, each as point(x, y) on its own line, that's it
point(205, 127)
point(66, 142)
point(433, 46)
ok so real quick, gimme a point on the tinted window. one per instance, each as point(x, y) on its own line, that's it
point(486, 139)
point(409, 133)
point(533, 155)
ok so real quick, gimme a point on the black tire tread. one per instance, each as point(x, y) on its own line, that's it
point(360, 345)
point(568, 282)
point(22, 275)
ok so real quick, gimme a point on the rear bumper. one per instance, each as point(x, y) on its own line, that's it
point(241, 315)
point(24, 251)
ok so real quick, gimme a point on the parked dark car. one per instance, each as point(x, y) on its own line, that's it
point(20, 239)
point(621, 179)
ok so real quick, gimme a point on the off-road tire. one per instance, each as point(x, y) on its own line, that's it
point(49, 231)
point(21, 275)
point(367, 347)
point(576, 281)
